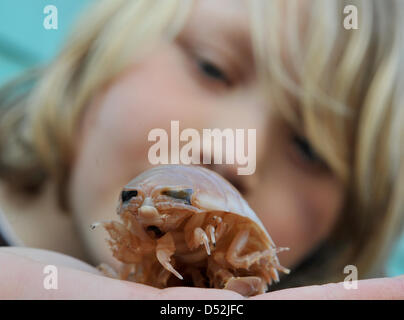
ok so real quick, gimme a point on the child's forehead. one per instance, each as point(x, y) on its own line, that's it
point(224, 22)
point(227, 8)
point(228, 15)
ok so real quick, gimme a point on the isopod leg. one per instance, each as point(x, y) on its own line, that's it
point(210, 230)
point(125, 271)
point(134, 226)
point(272, 262)
point(274, 274)
point(220, 228)
point(246, 286)
point(269, 274)
point(200, 237)
point(197, 277)
point(237, 245)
point(221, 277)
point(218, 275)
point(277, 265)
point(124, 244)
point(215, 228)
point(164, 250)
point(270, 265)
point(194, 234)
point(107, 271)
point(162, 278)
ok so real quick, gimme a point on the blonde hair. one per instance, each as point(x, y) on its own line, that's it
point(347, 87)
point(344, 89)
point(38, 126)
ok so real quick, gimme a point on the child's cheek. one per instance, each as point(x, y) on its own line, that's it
point(288, 220)
point(325, 200)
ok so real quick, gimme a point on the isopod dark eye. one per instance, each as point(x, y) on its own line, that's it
point(182, 194)
point(126, 195)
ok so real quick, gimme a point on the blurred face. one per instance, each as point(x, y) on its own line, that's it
point(205, 79)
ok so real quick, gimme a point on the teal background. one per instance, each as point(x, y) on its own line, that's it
point(24, 42)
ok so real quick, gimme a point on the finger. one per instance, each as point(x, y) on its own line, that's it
point(23, 278)
point(51, 258)
point(372, 289)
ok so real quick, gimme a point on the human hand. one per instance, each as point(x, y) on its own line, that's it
point(372, 289)
point(21, 277)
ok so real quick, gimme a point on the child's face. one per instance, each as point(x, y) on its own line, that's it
point(206, 79)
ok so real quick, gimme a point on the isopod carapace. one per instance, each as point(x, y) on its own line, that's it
point(188, 226)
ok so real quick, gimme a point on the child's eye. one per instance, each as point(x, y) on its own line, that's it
point(306, 150)
point(212, 71)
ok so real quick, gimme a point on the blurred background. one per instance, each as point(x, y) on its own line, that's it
point(24, 42)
